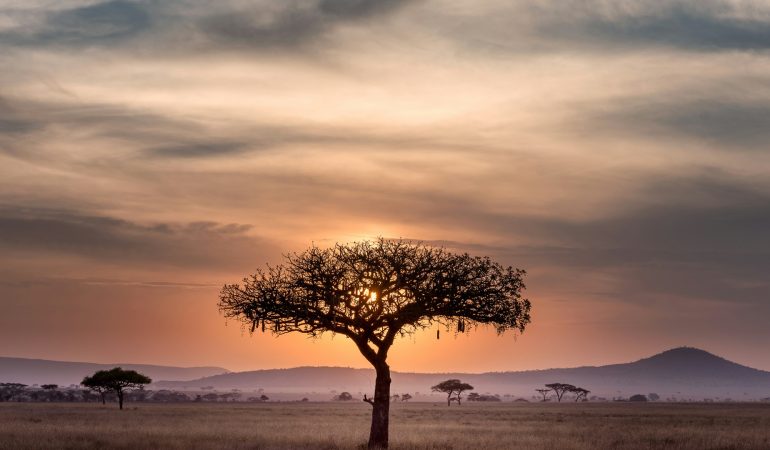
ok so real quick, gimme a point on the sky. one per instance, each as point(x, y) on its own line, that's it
point(152, 151)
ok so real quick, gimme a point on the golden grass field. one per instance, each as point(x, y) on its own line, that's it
point(536, 426)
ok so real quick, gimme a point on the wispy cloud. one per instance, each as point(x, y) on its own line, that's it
point(103, 239)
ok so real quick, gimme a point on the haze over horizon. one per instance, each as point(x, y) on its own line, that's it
point(151, 152)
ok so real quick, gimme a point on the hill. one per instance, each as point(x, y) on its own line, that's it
point(683, 373)
point(41, 371)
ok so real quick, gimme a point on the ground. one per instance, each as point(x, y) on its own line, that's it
point(530, 426)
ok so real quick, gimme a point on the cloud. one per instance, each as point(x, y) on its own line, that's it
point(687, 24)
point(95, 24)
point(197, 149)
point(700, 236)
point(110, 240)
point(140, 133)
point(729, 124)
point(108, 20)
point(291, 23)
point(520, 26)
point(596, 25)
point(191, 25)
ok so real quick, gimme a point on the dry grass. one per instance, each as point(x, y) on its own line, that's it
point(413, 426)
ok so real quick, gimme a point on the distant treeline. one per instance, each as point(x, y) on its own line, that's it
point(16, 392)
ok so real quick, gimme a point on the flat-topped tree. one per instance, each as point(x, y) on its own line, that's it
point(373, 292)
point(580, 394)
point(560, 389)
point(453, 389)
point(115, 380)
point(544, 393)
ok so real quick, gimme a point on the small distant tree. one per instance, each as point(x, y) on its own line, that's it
point(474, 397)
point(544, 393)
point(264, 398)
point(115, 380)
point(580, 393)
point(453, 388)
point(653, 397)
point(168, 396)
point(560, 389)
point(406, 397)
point(50, 387)
point(395, 398)
point(637, 398)
point(343, 397)
point(210, 397)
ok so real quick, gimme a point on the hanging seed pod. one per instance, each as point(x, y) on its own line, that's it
point(438, 334)
point(263, 325)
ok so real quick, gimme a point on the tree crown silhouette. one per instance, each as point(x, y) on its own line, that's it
point(116, 380)
point(373, 292)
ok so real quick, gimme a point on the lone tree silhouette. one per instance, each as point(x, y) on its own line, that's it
point(544, 393)
point(560, 389)
point(452, 388)
point(373, 292)
point(116, 380)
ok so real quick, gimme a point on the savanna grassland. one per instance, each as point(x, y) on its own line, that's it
point(413, 426)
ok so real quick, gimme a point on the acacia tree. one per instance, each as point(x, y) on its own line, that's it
point(373, 292)
point(544, 393)
point(453, 389)
point(115, 380)
point(580, 393)
point(560, 389)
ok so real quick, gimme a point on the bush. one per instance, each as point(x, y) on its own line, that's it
point(343, 397)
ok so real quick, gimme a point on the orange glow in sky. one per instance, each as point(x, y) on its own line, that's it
point(151, 152)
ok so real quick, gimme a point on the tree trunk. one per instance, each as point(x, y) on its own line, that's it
point(449, 399)
point(120, 399)
point(104, 400)
point(378, 436)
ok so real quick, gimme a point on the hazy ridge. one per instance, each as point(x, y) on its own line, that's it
point(682, 373)
point(41, 371)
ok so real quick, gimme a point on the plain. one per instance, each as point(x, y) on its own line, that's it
point(345, 425)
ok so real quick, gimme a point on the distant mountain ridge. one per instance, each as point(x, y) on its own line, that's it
point(683, 373)
point(64, 373)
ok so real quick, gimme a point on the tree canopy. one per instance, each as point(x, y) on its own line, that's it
point(453, 388)
point(544, 393)
point(560, 389)
point(373, 292)
point(115, 380)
